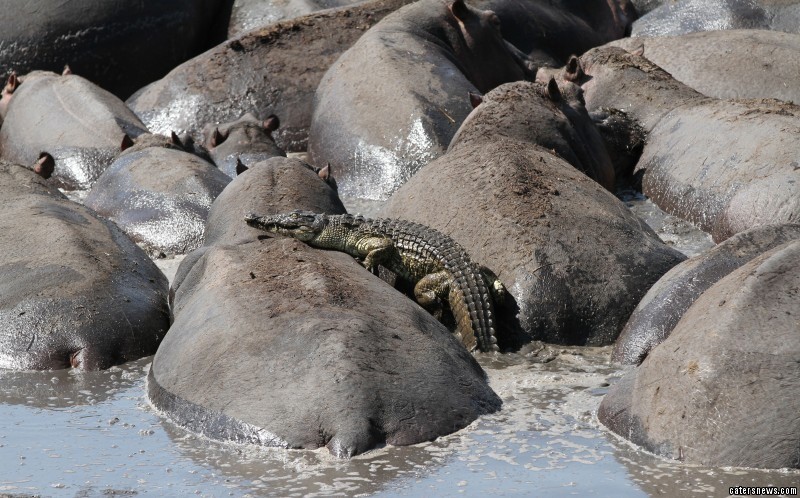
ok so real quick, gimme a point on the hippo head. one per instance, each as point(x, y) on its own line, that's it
point(486, 59)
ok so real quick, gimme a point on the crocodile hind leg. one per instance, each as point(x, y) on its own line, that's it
point(431, 290)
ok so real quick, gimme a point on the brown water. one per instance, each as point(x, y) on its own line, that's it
point(86, 434)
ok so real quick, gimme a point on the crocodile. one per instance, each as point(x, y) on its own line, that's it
point(437, 267)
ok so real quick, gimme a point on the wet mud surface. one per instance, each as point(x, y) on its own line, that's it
point(85, 434)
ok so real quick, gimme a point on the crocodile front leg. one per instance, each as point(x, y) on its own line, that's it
point(376, 251)
point(496, 287)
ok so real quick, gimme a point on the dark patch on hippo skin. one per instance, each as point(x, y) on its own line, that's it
point(159, 196)
point(277, 185)
point(722, 185)
point(724, 388)
point(665, 303)
point(76, 291)
point(120, 46)
point(549, 32)
point(307, 345)
point(77, 122)
point(418, 65)
point(270, 70)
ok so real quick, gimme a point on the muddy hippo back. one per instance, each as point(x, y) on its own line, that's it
point(393, 101)
point(78, 123)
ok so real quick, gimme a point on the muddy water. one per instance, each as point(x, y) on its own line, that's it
point(68, 433)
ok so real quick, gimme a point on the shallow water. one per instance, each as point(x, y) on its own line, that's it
point(69, 433)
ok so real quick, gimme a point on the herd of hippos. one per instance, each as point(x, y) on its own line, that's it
point(505, 126)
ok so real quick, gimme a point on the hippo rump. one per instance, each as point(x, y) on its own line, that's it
point(548, 32)
point(724, 165)
point(117, 44)
point(241, 143)
point(272, 70)
point(277, 185)
point(724, 388)
point(78, 123)
point(158, 194)
point(689, 16)
point(251, 14)
point(393, 101)
point(665, 303)
point(704, 61)
point(574, 259)
point(75, 290)
point(279, 344)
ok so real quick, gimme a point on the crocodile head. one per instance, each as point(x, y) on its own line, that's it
point(302, 225)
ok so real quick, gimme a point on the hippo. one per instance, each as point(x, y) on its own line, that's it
point(272, 186)
point(119, 46)
point(724, 388)
point(76, 291)
point(689, 16)
point(417, 66)
point(158, 194)
point(549, 32)
point(574, 259)
point(665, 303)
point(722, 184)
point(243, 142)
point(75, 121)
point(279, 344)
point(247, 15)
point(271, 70)
point(704, 60)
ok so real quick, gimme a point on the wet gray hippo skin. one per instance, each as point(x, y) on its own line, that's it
point(251, 14)
point(574, 259)
point(724, 388)
point(273, 70)
point(75, 290)
point(159, 195)
point(689, 16)
point(75, 121)
point(393, 101)
point(243, 142)
point(118, 44)
point(705, 61)
point(277, 185)
point(549, 32)
point(280, 344)
point(665, 303)
point(716, 163)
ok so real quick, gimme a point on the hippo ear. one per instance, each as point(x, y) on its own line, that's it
point(217, 138)
point(574, 70)
point(459, 10)
point(475, 99)
point(175, 139)
point(45, 166)
point(67, 70)
point(127, 143)
point(325, 173)
point(240, 167)
point(639, 51)
point(552, 91)
point(12, 83)
point(272, 123)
